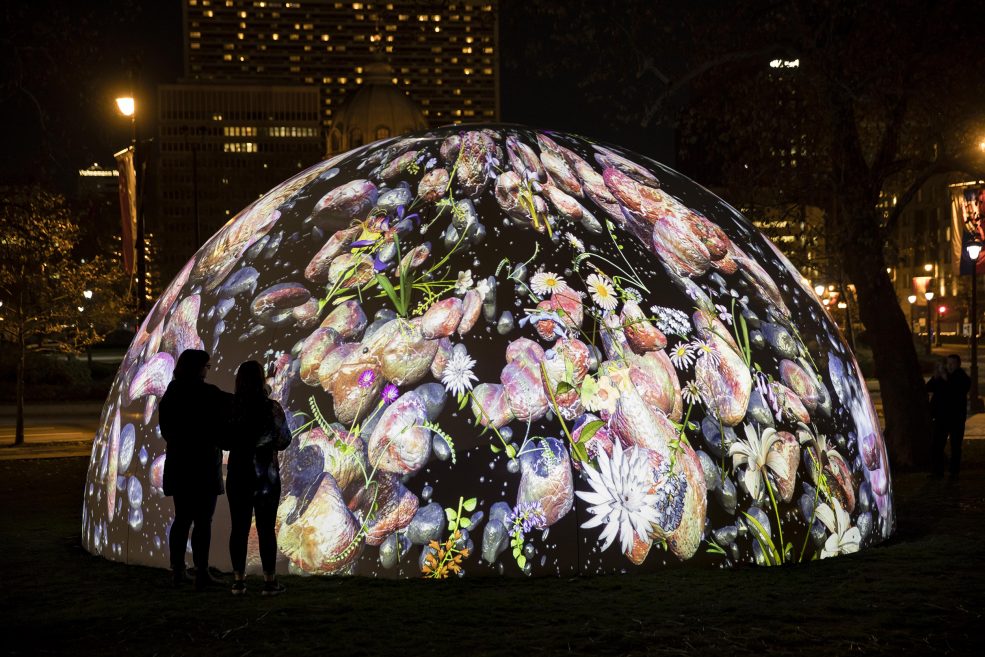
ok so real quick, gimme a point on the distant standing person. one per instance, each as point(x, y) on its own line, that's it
point(192, 415)
point(937, 388)
point(258, 431)
point(958, 384)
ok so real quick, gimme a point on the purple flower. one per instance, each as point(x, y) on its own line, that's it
point(367, 378)
point(414, 217)
point(390, 394)
point(525, 517)
point(360, 243)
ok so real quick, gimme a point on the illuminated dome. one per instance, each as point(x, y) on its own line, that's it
point(509, 351)
point(377, 110)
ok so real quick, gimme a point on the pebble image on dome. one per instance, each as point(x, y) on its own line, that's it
point(509, 351)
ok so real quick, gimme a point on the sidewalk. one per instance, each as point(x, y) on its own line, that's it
point(51, 430)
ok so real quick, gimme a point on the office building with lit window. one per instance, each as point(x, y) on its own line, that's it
point(220, 148)
point(443, 55)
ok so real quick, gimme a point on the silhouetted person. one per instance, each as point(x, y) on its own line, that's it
point(937, 388)
point(192, 416)
point(258, 431)
point(956, 411)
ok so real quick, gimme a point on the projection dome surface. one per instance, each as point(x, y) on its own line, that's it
point(509, 351)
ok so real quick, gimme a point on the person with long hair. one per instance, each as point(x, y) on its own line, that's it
point(192, 416)
point(257, 433)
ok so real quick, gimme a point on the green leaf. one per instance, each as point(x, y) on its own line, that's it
point(462, 401)
point(451, 514)
point(521, 561)
point(765, 541)
point(589, 430)
point(464, 522)
point(469, 504)
point(495, 450)
point(589, 386)
point(563, 387)
point(388, 289)
point(580, 452)
point(510, 452)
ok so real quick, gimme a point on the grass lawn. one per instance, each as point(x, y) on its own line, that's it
point(920, 594)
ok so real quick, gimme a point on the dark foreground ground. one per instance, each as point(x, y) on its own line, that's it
point(921, 594)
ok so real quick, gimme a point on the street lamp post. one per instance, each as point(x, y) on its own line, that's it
point(128, 107)
point(87, 295)
point(974, 250)
point(941, 309)
point(913, 300)
point(929, 296)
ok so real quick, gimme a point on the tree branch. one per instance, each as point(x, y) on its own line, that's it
point(697, 72)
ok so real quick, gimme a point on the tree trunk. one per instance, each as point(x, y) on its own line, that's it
point(904, 397)
point(21, 374)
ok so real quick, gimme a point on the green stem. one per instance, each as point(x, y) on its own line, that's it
point(488, 420)
point(636, 277)
point(550, 391)
point(776, 512)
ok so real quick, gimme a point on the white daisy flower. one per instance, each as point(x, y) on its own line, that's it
point(754, 452)
point(457, 376)
point(620, 499)
point(682, 355)
point(844, 538)
point(575, 243)
point(464, 281)
point(705, 349)
point(546, 282)
point(691, 393)
point(602, 292)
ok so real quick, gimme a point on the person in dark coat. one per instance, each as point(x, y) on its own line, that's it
point(937, 388)
point(258, 431)
point(192, 416)
point(958, 385)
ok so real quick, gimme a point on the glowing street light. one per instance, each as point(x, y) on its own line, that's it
point(929, 296)
point(974, 250)
point(126, 105)
point(819, 289)
point(87, 294)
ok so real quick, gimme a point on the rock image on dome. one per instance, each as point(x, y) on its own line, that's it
point(509, 351)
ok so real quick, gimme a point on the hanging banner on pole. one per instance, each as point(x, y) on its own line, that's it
point(128, 208)
point(967, 215)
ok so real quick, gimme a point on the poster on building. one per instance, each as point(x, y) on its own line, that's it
point(128, 207)
point(967, 214)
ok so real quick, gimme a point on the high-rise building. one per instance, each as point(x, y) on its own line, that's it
point(443, 54)
point(221, 146)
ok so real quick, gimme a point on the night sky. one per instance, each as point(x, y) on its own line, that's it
point(74, 59)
